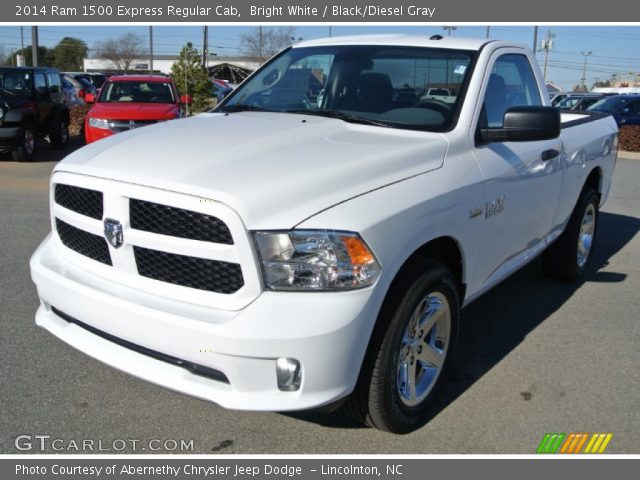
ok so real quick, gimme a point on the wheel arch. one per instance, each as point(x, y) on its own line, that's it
point(594, 180)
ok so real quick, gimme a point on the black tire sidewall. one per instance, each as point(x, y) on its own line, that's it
point(56, 136)
point(20, 153)
point(567, 250)
point(396, 416)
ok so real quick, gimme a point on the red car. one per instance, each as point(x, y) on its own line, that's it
point(126, 102)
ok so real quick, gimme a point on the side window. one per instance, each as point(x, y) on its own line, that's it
point(40, 84)
point(634, 107)
point(54, 82)
point(511, 83)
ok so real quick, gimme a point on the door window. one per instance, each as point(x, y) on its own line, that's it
point(511, 83)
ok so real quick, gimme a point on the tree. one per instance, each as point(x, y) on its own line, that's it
point(601, 84)
point(120, 51)
point(69, 53)
point(191, 78)
point(580, 89)
point(273, 40)
point(46, 57)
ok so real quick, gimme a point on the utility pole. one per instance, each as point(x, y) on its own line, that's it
point(329, 30)
point(584, 68)
point(150, 49)
point(488, 29)
point(546, 45)
point(34, 46)
point(205, 47)
point(535, 39)
point(260, 45)
point(448, 29)
point(22, 39)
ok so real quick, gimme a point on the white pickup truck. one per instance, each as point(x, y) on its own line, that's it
point(314, 238)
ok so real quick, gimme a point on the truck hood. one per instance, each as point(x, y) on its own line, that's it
point(274, 169)
point(133, 111)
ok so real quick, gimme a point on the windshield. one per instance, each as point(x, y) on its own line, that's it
point(401, 87)
point(609, 104)
point(15, 82)
point(137, 91)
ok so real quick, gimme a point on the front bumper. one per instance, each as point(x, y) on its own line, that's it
point(327, 332)
point(11, 136)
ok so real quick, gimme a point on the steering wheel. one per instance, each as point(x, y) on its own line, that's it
point(441, 107)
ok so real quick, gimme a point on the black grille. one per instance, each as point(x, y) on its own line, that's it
point(81, 200)
point(200, 273)
point(194, 368)
point(177, 222)
point(85, 243)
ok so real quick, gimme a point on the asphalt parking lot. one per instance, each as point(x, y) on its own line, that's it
point(535, 356)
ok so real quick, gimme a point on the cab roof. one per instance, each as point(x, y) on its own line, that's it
point(139, 78)
point(434, 41)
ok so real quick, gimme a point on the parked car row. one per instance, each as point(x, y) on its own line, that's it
point(625, 108)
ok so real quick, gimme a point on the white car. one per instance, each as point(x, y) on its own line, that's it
point(291, 251)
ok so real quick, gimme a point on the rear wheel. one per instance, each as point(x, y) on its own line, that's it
point(405, 364)
point(570, 255)
point(60, 136)
point(27, 146)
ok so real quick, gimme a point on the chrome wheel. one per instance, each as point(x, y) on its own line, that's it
point(585, 237)
point(423, 349)
point(29, 142)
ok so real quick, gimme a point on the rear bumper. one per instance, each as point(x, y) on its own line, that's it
point(327, 332)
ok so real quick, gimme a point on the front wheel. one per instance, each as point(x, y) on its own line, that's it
point(27, 146)
point(406, 365)
point(570, 255)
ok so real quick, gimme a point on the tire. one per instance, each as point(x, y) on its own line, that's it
point(25, 151)
point(60, 136)
point(410, 352)
point(569, 257)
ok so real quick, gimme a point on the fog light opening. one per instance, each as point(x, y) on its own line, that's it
point(289, 374)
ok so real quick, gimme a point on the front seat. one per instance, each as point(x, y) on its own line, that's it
point(375, 92)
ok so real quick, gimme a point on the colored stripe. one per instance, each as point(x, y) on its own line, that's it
point(590, 444)
point(556, 442)
point(596, 445)
point(583, 439)
point(576, 440)
point(543, 444)
point(568, 443)
point(606, 441)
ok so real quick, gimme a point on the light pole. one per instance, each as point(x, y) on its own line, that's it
point(584, 68)
point(448, 29)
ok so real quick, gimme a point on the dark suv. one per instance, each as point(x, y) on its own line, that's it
point(31, 104)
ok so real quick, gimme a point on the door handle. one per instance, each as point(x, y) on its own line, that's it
point(549, 154)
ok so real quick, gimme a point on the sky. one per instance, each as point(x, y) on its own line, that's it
point(614, 49)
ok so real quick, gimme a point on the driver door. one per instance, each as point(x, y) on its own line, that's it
point(522, 180)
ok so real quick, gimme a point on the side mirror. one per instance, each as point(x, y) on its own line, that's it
point(81, 93)
point(41, 92)
point(90, 98)
point(185, 99)
point(525, 124)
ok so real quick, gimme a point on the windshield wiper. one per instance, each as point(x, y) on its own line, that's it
point(339, 115)
point(244, 108)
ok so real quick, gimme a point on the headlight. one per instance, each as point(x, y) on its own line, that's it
point(315, 260)
point(99, 123)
